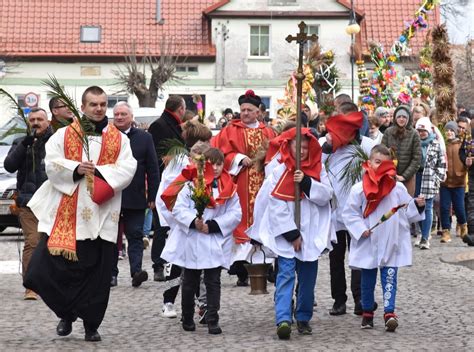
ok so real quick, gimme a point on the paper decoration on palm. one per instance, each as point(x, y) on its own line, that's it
point(443, 76)
point(418, 85)
point(388, 215)
point(321, 83)
point(199, 107)
point(380, 89)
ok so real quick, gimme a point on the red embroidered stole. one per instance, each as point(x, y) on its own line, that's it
point(62, 240)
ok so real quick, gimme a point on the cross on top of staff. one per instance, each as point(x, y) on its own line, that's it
point(302, 37)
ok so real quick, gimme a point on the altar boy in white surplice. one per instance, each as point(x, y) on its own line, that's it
point(298, 250)
point(388, 245)
point(197, 244)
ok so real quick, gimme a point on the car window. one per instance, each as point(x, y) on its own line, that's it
point(11, 130)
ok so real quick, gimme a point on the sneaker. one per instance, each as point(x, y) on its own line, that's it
point(121, 255)
point(304, 328)
point(424, 244)
point(168, 310)
point(146, 242)
point(367, 320)
point(417, 241)
point(30, 295)
point(284, 330)
point(391, 322)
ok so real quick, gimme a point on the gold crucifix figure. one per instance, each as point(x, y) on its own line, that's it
point(301, 38)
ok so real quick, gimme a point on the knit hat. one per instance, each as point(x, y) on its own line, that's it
point(451, 125)
point(381, 111)
point(424, 123)
point(228, 111)
point(250, 98)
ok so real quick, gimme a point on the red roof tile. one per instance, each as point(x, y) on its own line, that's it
point(52, 28)
point(385, 20)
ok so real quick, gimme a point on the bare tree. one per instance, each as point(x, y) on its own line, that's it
point(133, 77)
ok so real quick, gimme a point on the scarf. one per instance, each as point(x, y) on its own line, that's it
point(285, 188)
point(424, 147)
point(225, 185)
point(377, 184)
point(343, 128)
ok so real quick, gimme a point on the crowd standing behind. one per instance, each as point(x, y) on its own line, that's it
point(250, 170)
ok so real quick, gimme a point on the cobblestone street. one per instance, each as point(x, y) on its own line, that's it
point(434, 302)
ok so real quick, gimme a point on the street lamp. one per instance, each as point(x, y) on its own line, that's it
point(352, 29)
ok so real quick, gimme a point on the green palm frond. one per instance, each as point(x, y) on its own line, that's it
point(351, 173)
point(18, 108)
point(173, 150)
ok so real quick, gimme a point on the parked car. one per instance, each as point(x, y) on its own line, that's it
point(9, 131)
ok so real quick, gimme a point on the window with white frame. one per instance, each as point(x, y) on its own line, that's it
point(187, 68)
point(260, 40)
point(114, 99)
point(91, 34)
point(311, 29)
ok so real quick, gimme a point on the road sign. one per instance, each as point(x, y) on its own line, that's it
point(31, 99)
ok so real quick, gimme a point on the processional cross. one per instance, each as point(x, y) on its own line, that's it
point(301, 39)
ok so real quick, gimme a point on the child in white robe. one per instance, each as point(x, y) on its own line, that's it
point(298, 250)
point(388, 245)
point(198, 244)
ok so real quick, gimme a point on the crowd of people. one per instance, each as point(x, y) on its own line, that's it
point(215, 199)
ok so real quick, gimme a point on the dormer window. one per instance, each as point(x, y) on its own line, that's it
point(91, 34)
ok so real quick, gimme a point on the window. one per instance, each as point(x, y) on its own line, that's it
point(260, 41)
point(186, 69)
point(190, 105)
point(90, 34)
point(20, 98)
point(114, 99)
point(311, 29)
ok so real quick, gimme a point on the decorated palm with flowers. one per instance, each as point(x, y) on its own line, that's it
point(388, 215)
point(200, 194)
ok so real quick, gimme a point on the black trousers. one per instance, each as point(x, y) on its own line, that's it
point(338, 271)
point(159, 240)
point(169, 296)
point(73, 289)
point(238, 268)
point(212, 280)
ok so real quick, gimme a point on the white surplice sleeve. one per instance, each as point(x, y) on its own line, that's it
point(58, 168)
point(321, 192)
point(183, 210)
point(120, 174)
point(352, 213)
point(231, 217)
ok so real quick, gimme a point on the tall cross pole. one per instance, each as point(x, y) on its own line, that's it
point(301, 38)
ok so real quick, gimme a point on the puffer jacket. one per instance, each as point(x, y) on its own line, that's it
point(31, 173)
point(407, 149)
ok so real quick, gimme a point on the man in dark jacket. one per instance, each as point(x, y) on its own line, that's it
point(27, 157)
point(166, 127)
point(139, 195)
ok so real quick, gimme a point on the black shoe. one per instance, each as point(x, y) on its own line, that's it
point(242, 283)
point(367, 320)
point(159, 275)
point(338, 309)
point(304, 328)
point(113, 282)
point(284, 330)
point(469, 240)
point(271, 277)
point(92, 336)
point(189, 326)
point(64, 327)
point(139, 277)
point(214, 328)
point(358, 308)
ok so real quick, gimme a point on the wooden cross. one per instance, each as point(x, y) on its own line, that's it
point(301, 38)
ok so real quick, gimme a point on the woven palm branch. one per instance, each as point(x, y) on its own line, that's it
point(21, 113)
point(173, 151)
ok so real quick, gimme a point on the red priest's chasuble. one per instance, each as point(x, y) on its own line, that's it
point(236, 138)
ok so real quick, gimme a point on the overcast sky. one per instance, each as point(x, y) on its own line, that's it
point(459, 17)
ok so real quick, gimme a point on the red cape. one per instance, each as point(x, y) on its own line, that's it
point(377, 184)
point(343, 128)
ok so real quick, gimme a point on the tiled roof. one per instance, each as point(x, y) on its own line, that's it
point(52, 27)
point(386, 19)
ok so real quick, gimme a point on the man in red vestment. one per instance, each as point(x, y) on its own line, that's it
point(239, 141)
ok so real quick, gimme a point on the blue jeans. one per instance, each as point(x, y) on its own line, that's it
point(425, 224)
point(148, 222)
point(285, 283)
point(388, 277)
point(454, 196)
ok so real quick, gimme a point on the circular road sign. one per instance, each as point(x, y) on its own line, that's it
point(31, 99)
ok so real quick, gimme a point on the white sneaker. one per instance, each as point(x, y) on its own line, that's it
point(425, 244)
point(146, 242)
point(417, 241)
point(168, 310)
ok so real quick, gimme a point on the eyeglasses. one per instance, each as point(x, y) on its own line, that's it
point(60, 107)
